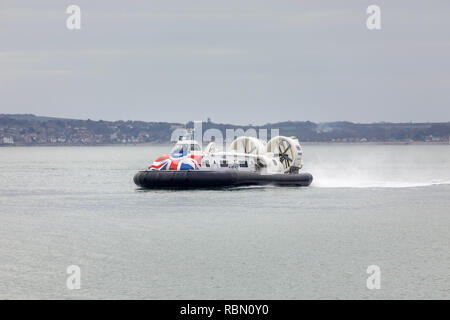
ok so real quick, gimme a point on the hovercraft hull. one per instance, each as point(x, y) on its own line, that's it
point(216, 179)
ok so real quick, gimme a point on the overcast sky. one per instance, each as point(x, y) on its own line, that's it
point(235, 61)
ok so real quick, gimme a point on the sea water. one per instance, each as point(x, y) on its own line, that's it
point(381, 205)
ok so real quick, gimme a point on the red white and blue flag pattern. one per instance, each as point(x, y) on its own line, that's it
point(190, 162)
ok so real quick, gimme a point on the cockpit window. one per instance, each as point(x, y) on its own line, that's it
point(181, 150)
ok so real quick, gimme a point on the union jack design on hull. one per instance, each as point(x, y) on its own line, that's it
point(166, 162)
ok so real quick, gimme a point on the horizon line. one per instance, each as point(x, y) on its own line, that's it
point(45, 118)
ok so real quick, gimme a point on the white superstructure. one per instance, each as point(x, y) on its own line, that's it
point(279, 155)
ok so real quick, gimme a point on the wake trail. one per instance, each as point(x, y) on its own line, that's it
point(375, 184)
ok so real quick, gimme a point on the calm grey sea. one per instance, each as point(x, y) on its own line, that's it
point(368, 205)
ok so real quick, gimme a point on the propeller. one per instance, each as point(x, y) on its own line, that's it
point(284, 156)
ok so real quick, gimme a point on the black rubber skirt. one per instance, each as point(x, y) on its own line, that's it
point(216, 179)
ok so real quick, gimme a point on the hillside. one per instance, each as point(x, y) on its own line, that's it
point(29, 129)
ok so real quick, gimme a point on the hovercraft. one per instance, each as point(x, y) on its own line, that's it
point(248, 162)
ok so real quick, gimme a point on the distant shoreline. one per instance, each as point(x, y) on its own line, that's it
point(306, 143)
point(31, 130)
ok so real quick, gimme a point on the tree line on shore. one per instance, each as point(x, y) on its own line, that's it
point(32, 130)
